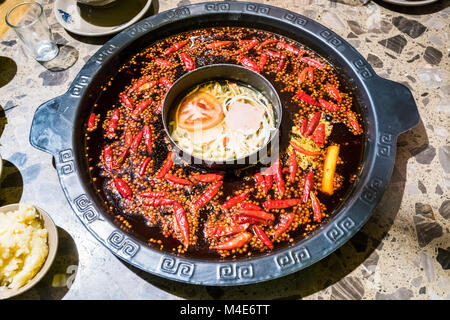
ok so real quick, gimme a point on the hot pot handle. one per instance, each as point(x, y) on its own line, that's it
point(51, 130)
point(395, 105)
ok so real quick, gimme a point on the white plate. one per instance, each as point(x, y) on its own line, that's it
point(52, 248)
point(410, 3)
point(91, 21)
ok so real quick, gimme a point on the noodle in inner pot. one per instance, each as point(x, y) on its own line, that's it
point(243, 124)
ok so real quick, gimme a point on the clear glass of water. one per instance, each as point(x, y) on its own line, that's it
point(29, 22)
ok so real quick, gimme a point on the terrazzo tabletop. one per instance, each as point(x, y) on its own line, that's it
point(403, 252)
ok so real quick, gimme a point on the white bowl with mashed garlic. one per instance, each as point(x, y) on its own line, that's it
point(28, 244)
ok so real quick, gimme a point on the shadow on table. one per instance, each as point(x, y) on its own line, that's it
point(65, 59)
point(419, 10)
point(153, 9)
point(8, 68)
point(11, 184)
point(3, 120)
point(334, 271)
point(61, 275)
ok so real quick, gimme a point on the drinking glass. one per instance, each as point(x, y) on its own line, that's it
point(28, 20)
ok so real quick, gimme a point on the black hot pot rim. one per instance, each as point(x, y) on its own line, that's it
point(388, 110)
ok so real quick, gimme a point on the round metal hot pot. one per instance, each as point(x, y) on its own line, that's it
point(388, 109)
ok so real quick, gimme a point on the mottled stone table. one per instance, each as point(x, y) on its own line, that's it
point(403, 252)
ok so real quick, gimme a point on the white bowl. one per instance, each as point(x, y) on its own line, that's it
point(52, 241)
point(75, 20)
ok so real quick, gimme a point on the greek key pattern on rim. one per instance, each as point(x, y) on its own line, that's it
point(363, 69)
point(339, 229)
point(331, 38)
point(174, 266)
point(372, 190)
point(385, 144)
point(296, 19)
point(177, 13)
point(253, 7)
point(124, 245)
point(139, 27)
point(233, 272)
point(66, 159)
point(217, 7)
point(105, 53)
point(293, 257)
point(84, 206)
point(78, 86)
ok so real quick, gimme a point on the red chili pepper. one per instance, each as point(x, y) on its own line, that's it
point(136, 141)
point(245, 61)
point(234, 243)
point(113, 123)
point(138, 84)
point(281, 204)
point(163, 63)
point(303, 126)
point(311, 74)
point(108, 157)
point(128, 138)
point(353, 122)
point(144, 166)
point(123, 188)
point(268, 178)
point(308, 184)
point(334, 92)
point(250, 206)
point(262, 236)
point(293, 165)
point(274, 54)
point(302, 76)
point(221, 231)
point(242, 219)
point(126, 101)
point(165, 82)
point(218, 44)
point(278, 176)
point(312, 63)
point(319, 135)
point(175, 47)
point(158, 202)
point(182, 222)
point(153, 194)
point(208, 177)
point(235, 200)
point(188, 62)
point(261, 182)
point(284, 224)
point(92, 124)
point(306, 97)
point(280, 64)
point(257, 214)
point(312, 125)
point(266, 43)
point(330, 106)
point(208, 195)
point(251, 44)
point(166, 166)
point(148, 85)
point(288, 47)
point(147, 133)
point(316, 207)
point(262, 61)
point(140, 108)
point(297, 148)
point(122, 156)
point(174, 179)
